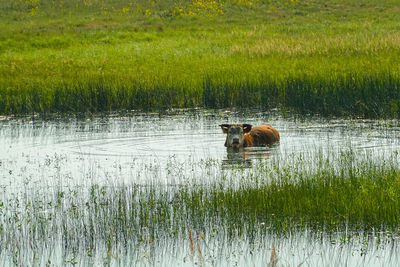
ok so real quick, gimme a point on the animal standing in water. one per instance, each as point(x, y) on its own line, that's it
point(245, 135)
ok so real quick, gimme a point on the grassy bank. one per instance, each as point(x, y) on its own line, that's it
point(332, 57)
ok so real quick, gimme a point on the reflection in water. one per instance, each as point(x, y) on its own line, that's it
point(236, 157)
point(99, 147)
point(244, 157)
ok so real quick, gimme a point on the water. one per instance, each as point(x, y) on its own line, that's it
point(187, 147)
point(196, 136)
point(121, 146)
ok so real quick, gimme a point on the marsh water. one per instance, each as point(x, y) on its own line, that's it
point(187, 147)
point(124, 144)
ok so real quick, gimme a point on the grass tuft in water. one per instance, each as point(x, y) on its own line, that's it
point(340, 196)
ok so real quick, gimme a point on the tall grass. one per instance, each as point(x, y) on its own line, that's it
point(354, 94)
point(346, 196)
point(330, 57)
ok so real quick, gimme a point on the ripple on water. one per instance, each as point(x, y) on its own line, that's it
point(146, 137)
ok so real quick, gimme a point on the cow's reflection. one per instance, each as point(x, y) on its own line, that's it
point(244, 156)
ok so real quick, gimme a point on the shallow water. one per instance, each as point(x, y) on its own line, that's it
point(187, 147)
point(118, 148)
point(28, 147)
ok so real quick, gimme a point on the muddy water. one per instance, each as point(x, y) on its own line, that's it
point(119, 147)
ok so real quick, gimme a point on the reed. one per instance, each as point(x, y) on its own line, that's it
point(342, 195)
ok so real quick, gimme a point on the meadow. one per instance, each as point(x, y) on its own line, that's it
point(336, 57)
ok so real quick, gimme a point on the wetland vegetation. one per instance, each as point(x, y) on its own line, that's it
point(333, 57)
point(132, 188)
point(114, 220)
point(113, 191)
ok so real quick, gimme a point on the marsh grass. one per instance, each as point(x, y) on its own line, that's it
point(343, 195)
point(353, 94)
point(356, 94)
point(328, 57)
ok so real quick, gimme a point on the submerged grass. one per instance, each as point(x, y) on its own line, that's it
point(330, 57)
point(343, 196)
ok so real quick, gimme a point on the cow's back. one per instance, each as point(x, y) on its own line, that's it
point(262, 135)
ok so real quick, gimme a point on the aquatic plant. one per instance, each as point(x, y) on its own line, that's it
point(342, 195)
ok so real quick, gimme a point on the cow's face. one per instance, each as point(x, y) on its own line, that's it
point(235, 134)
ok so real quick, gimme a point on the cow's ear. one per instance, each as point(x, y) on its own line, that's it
point(247, 128)
point(224, 127)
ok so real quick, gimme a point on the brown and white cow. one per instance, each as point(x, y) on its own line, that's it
point(245, 135)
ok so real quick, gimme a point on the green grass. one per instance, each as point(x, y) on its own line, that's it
point(336, 57)
point(343, 195)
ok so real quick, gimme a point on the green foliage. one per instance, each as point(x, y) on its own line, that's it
point(330, 57)
point(341, 195)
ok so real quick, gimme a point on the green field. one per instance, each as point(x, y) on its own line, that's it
point(332, 57)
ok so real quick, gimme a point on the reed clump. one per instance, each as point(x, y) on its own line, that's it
point(341, 196)
point(362, 95)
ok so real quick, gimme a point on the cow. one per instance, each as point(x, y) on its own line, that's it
point(245, 135)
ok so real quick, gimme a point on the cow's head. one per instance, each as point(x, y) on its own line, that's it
point(235, 134)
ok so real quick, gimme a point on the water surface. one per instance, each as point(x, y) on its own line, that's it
point(27, 147)
point(187, 148)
